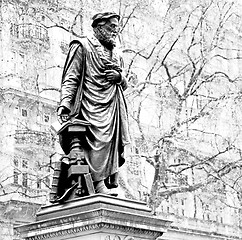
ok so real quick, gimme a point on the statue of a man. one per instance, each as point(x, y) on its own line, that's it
point(92, 90)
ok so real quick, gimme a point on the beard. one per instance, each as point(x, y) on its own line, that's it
point(105, 37)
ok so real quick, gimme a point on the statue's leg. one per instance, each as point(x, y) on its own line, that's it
point(100, 187)
point(112, 181)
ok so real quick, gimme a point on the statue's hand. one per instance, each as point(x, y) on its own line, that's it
point(113, 75)
point(63, 114)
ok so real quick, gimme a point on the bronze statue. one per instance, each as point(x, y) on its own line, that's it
point(92, 96)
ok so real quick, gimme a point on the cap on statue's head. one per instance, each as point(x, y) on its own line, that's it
point(103, 16)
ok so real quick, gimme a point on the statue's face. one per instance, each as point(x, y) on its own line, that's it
point(107, 31)
point(111, 28)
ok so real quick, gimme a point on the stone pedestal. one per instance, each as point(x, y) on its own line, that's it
point(96, 217)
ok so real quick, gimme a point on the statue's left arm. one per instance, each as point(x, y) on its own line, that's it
point(71, 76)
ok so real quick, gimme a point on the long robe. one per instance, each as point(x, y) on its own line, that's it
point(102, 104)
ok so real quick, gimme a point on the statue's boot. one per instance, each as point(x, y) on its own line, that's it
point(112, 181)
point(53, 198)
point(101, 188)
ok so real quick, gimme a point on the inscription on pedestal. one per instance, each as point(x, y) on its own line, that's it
point(116, 237)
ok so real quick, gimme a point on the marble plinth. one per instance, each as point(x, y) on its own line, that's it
point(96, 217)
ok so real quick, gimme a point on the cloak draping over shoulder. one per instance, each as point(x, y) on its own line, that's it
point(91, 97)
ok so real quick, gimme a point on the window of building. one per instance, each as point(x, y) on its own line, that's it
point(15, 177)
point(14, 30)
point(139, 145)
point(46, 118)
point(38, 183)
point(16, 110)
point(25, 180)
point(136, 150)
point(24, 164)
point(38, 32)
point(21, 62)
point(24, 112)
point(16, 161)
point(18, 62)
point(134, 166)
point(37, 165)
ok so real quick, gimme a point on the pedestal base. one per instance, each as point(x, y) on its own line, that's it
point(96, 217)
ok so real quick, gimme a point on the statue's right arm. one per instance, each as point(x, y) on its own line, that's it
point(71, 78)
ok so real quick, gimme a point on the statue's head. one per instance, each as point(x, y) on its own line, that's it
point(106, 27)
